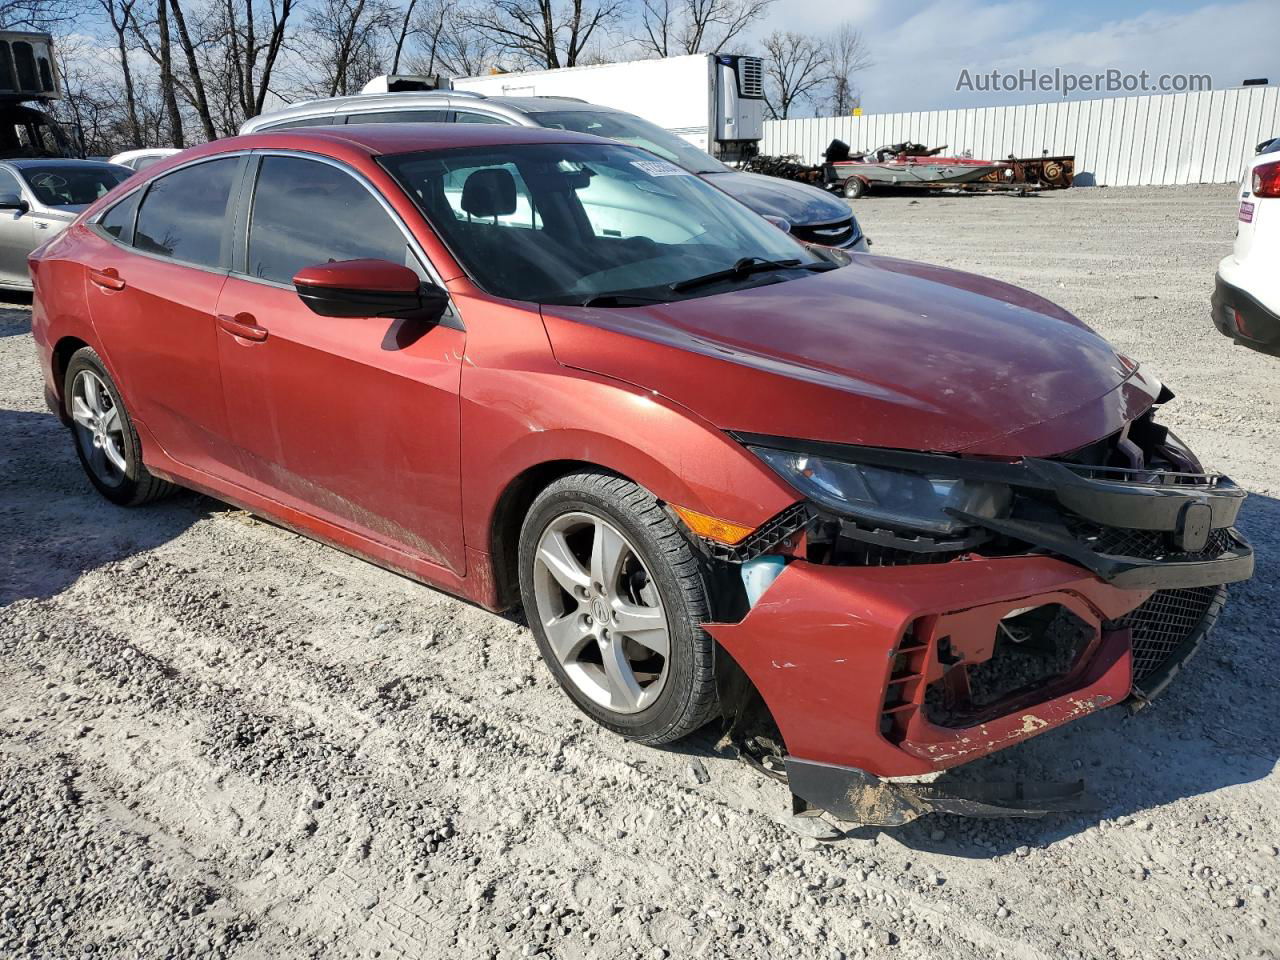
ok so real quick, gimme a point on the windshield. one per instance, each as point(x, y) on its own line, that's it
point(639, 133)
point(570, 222)
point(68, 185)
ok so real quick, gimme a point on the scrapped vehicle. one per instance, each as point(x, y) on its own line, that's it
point(141, 159)
point(811, 214)
point(40, 197)
point(904, 165)
point(1246, 294)
point(880, 517)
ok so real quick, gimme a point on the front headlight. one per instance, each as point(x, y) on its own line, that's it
point(897, 498)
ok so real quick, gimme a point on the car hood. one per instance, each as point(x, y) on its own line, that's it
point(798, 203)
point(883, 352)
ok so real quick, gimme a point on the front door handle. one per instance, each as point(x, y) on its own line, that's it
point(244, 326)
point(108, 278)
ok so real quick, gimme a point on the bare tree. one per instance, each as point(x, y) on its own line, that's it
point(167, 91)
point(795, 66)
point(540, 33)
point(345, 43)
point(194, 85)
point(37, 14)
point(120, 15)
point(848, 55)
point(673, 27)
point(406, 30)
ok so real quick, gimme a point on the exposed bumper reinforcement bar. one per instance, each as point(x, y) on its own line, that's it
point(855, 796)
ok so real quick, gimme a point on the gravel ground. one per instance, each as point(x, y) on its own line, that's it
point(220, 739)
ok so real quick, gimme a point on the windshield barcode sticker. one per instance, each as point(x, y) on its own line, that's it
point(660, 168)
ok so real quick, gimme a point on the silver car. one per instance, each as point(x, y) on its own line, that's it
point(813, 215)
point(38, 198)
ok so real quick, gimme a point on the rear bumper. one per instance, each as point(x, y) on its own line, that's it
point(1243, 318)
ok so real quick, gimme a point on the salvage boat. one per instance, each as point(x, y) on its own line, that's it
point(903, 165)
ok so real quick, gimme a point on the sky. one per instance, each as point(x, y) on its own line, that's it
point(920, 47)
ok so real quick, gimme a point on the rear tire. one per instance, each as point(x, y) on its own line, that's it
point(104, 436)
point(608, 581)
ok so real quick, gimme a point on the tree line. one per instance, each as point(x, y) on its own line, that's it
point(177, 72)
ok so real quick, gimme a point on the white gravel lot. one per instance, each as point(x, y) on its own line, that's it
point(220, 739)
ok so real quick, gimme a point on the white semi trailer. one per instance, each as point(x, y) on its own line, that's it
point(715, 101)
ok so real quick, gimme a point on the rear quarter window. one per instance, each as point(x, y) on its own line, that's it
point(118, 221)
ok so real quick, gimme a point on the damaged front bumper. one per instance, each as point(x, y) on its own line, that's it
point(908, 669)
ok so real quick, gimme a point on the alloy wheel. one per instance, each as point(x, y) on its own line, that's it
point(601, 611)
point(99, 428)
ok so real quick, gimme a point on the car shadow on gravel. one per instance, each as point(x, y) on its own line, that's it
point(15, 313)
point(53, 524)
point(1213, 728)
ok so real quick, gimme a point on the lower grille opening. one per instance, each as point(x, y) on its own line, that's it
point(1162, 624)
point(1032, 648)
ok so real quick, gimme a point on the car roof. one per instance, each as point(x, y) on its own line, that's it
point(409, 99)
point(390, 138)
point(46, 162)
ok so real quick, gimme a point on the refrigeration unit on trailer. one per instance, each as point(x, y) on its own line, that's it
point(28, 72)
point(715, 101)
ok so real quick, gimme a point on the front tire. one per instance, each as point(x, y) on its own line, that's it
point(616, 602)
point(106, 441)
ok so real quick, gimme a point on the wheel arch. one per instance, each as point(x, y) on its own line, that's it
point(508, 516)
point(60, 359)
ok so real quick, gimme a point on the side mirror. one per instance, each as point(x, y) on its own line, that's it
point(782, 223)
point(11, 201)
point(369, 288)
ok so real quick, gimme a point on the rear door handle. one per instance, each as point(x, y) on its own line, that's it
point(244, 326)
point(108, 278)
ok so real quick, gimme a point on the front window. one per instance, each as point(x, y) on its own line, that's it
point(626, 128)
point(576, 223)
point(70, 186)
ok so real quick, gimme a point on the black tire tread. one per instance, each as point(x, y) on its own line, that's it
point(146, 488)
point(643, 508)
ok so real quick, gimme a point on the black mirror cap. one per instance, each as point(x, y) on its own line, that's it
point(11, 201)
point(426, 304)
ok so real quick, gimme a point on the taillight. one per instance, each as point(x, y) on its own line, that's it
point(1266, 180)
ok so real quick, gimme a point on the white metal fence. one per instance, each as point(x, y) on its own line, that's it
point(1122, 141)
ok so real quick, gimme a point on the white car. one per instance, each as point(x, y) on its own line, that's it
point(1246, 295)
point(141, 159)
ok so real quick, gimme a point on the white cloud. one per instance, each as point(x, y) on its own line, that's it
point(919, 48)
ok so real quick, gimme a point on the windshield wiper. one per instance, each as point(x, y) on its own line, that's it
point(744, 268)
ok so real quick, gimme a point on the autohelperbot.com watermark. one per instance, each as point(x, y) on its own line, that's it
point(1065, 82)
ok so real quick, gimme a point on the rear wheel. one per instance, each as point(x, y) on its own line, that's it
point(854, 188)
point(616, 601)
point(106, 442)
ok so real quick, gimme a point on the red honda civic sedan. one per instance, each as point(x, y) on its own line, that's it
point(896, 515)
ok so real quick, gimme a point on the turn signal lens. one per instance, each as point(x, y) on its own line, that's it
point(1266, 180)
point(722, 531)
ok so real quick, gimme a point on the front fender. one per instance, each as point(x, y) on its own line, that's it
point(521, 409)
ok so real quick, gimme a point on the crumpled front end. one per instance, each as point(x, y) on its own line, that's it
point(885, 654)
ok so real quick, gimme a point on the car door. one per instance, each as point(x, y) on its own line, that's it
point(17, 235)
point(354, 421)
point(152, 287)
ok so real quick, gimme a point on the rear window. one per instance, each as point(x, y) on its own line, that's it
point(400, 116)
point(324, 121)
point(184, 213)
